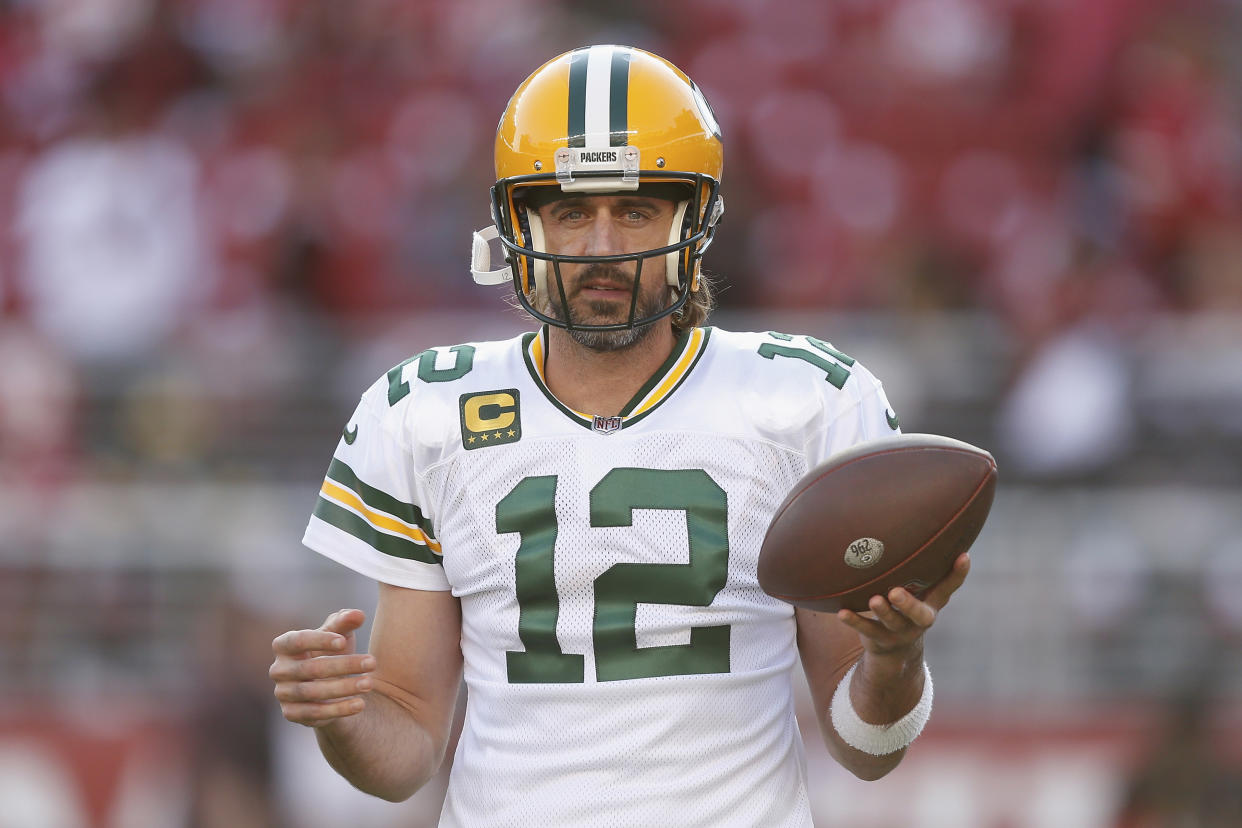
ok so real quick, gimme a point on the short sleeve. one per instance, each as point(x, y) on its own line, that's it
point(865, 416)
point(370, 514)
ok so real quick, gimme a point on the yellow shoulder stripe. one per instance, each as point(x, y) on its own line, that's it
point(674, 376)
point(378, 519)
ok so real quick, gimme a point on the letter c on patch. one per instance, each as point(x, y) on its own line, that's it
point(489, 411)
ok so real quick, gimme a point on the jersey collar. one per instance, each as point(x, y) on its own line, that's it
point(687, 350)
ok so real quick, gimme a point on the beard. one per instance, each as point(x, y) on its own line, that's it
point(605, 313)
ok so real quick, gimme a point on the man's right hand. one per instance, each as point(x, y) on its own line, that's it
point(319, 678)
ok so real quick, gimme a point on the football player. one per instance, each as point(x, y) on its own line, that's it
point(572, 518)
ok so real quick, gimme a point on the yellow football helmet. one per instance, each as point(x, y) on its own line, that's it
point(603, 119)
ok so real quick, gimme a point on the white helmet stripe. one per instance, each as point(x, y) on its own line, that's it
point(599, 80)
point(598, 97)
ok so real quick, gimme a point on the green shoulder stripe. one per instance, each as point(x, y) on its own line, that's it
point(347, 521)
point(377, 499)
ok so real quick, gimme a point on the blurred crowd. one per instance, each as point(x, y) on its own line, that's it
point(185, 183)
point(178, 177)
point(211, 210)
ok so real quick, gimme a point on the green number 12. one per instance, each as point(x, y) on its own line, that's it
point(834, 373)
point(530, 511)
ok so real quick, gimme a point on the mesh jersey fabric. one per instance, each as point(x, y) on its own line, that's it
point(622, 664)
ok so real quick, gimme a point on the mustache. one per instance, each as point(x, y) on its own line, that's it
point(600, 271)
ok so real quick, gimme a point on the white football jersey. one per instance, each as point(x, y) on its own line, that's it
point(623, 666)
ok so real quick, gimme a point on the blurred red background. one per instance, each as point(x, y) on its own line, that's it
point(222, 218)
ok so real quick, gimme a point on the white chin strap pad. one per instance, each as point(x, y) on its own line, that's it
point(481, 253)
point(481, 258)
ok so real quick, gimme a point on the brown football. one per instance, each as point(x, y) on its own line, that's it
point(886, 513)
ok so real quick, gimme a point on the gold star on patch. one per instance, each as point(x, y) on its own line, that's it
point(470, 438)
point(497, 435)
point(512, 433)
point(483, 437)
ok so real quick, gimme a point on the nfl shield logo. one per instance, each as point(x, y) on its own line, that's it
point(606, 425)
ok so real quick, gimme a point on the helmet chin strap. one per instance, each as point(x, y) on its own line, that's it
point(481, 258)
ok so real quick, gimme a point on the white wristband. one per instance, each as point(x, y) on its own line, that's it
point(878, 740)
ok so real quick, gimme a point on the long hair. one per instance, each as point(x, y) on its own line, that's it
point(698, 307)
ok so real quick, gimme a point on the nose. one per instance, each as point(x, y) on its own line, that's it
point(602, 237)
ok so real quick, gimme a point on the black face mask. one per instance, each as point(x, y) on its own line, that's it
point(692, 237)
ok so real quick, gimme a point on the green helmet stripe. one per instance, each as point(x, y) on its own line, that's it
point(619, 98)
